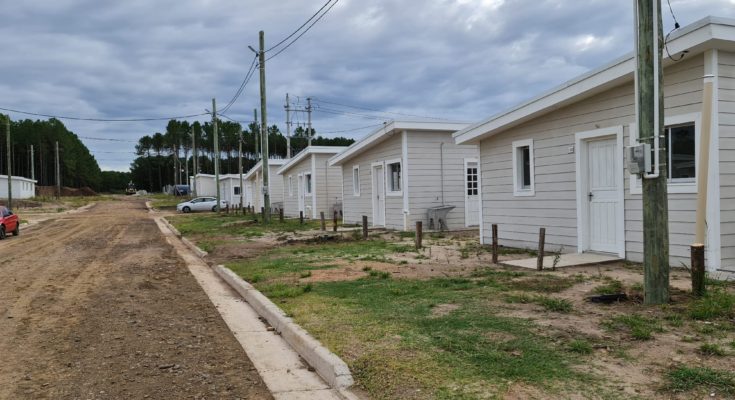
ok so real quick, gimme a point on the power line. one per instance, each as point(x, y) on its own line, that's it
point(244, 83)
point(378, 111)
point(300, 28)
point(353, 129)
point(102, 119)
point(106, 139)
point(666, 39)
point(348, 113)
point(304, 32)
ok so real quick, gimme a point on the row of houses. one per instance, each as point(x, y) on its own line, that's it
point(556, 161)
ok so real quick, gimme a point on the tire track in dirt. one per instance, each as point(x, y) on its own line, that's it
point(99, 306)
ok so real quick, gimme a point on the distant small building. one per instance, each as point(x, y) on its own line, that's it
point(23, 188)
point(254, 184)
point(229, 186)
point(310, 185)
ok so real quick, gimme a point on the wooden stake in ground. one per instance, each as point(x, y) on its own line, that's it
point(364, 227)
point(419, 233)
point(280, 214)
point(698, 282)
point(324, 225)
point(495, 243)
point(334, 220)
point(649, 75)
point(541, 243)
point(301, 217)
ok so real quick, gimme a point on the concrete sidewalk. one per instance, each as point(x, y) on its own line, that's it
point(565, 260)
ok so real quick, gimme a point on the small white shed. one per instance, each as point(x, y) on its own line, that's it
point(23, 188)
point(254, 180)
point(310, 185)
point(400, 172)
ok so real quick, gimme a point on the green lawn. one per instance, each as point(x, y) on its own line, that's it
point(203, 225)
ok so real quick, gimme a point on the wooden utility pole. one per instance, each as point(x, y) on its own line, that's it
point(239, 168)
point(194, 161)
point(256, 134)
point(308, 112)
point(10, 163)
point(58, 173)
point(288, 127)
point(264, 132)
point(33, 165)
point(216, 152)
point(650, 104)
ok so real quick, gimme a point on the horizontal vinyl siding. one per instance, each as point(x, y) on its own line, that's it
point(291, 207)
point(357, 206)
point(424, 180)
point(554, 204)
point(726, 94)
point(331, 189)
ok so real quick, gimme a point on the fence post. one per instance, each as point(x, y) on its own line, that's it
point(495, 243)
point(324, 224)
point(541, 240)
point(334, 228)
point(698, 284)
point(280, 215)
point(364, 227)
point(301, 217)
point(419, 233)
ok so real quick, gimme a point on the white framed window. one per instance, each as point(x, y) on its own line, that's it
point(290, 186)
point(307, 184)
point(680, 143)
point(236, 190)
point(472, 181)
point(523, 168)
point(394, 179)
point(356, 180)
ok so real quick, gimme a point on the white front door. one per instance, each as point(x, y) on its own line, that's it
point(301, 193)
point(603, 195)
point(472, 197)
point(378, 196)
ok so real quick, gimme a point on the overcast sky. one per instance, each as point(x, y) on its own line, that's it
point(456, 59)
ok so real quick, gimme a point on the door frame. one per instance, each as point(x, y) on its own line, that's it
point(373, 166)
point(300, 198)
point(582, 183)
point(466, 196)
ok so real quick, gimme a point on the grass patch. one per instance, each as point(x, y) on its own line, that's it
point(716, 303)
point(711, 349)
point(542, 283)
point(555, 304)
point(213, 224)
point(612, 286)
point(685, 379)
point(580, 346)
point(639, 327)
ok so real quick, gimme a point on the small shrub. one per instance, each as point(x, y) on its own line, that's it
point(684, 379)
point(711, 349)
point(554, 304)
point(612, 286)
point(308, 288)
point(580, 346)
point(255, 278)
point(715, 304)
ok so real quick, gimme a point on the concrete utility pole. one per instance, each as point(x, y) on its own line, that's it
point(33, 165)
point(58, 173)
point(256, 134)
point(194, 161)
point(650, 104)
point(10, 163)
point(308, 112)
point(264, 132)
point(239, 167)
point(288, 127)
point(216, 152)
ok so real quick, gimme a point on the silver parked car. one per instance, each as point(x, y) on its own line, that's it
point(200, 204)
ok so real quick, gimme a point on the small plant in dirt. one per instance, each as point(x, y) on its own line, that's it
point(717, 303)
point(639, 327)
point(612, 286)
point(580, 346)
point(685, 379)
point(380, 274)
point(366, 269)
point(305, 274)
point(554, 304)
point(711, 349)
point(519, 298)
point(675, 320)
point(557, 258)
point(406, 235)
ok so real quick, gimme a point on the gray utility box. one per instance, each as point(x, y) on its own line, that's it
point(639, 159)
point(438, 217)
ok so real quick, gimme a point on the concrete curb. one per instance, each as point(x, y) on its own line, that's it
point(199, 252)
point(330, 367)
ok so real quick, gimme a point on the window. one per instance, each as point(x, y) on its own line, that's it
point(472, 179)
point(307, 183)
point(236, 189)
point(394, 177)
point(290, 186)
point(356, 180)
point(680, 152)
point(523, 168)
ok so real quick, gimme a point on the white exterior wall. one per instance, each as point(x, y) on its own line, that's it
point(328, 185)
point(554, 205)
point(726, 117)
point(291, 201)
point(424, 183)
point(205, 185)
point(23, 188)
point(354, 207)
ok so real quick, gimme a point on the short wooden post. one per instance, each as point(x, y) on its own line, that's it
point(324, 224)
point(364, 227)
point(419, 233)
point(697, 255)
point(262, 213)
point(495, 243)
point(280, 215)
point(334, 221)
point(541, 239)
point(301, 217)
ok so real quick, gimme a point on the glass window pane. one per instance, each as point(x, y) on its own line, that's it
point(526, 166)
point(681, 152)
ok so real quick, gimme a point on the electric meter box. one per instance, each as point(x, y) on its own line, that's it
point(639, 159)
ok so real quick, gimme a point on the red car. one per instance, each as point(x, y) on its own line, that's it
point(8, 223)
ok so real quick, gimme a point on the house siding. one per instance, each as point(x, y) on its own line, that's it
point(291, 202)
point(328, 189)
point(554, 204)
point(357, 206)
point(424, 169)
point(726, 106)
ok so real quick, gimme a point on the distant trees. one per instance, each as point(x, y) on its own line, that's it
point(162, 156)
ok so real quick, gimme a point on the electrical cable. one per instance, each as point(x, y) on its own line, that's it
point(106, 139)
point(244, 83)
point(378, 111)
point(347, 113)
point(353, 129)
point(102, 119)
point(301, 27)
point(666, 39)
point(304, 32)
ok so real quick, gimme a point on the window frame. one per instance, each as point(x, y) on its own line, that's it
point(389, 177)
point(236, 191)
point(308, 183)
point(290, 186)
point(356, 182)
point(518, 189)
point(686, 185)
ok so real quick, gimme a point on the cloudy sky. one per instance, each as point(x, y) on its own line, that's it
point(455, 59)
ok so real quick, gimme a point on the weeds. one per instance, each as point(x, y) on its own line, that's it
point(612, 286)
point(548, 303)
point(640, 328)
point(684, 379)
point(711, 349)
point(716, 303)
point(580, 346)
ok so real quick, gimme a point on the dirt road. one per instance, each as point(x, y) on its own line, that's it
point(97, 306)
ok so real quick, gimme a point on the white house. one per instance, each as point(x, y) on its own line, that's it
point(395, 175)
point(204, 185)
point(310, 185)
point(229, 186)
point(23, 188)
point(557, 160)
point(254, 184)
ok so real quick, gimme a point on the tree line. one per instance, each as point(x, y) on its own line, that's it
point(167, 158)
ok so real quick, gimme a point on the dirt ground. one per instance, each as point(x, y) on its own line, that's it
point(96, 305)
